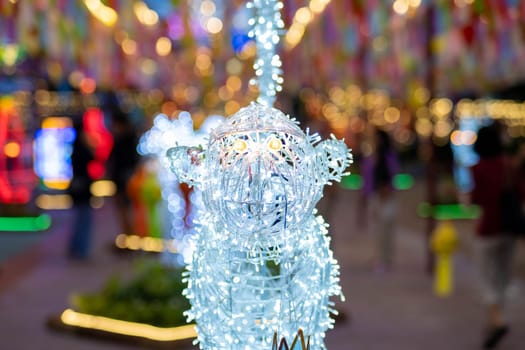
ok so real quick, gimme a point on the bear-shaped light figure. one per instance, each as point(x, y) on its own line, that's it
point(262, 262)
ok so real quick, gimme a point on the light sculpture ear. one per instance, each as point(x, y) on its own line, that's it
point(186, 163)
point(333, 158)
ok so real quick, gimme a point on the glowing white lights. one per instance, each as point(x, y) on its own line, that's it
point(267, 25)
point(155, 142)
point(262, 262)
point(209, 13)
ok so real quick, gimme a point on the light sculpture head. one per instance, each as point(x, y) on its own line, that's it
point(260, 174)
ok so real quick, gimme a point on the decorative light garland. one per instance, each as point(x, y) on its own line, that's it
point(262, 263)
point(266, 25)
point(142, 330)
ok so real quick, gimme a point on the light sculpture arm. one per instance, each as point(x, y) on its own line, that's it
point(333, 158)
point(185, 163)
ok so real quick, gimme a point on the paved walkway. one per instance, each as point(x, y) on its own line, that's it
point(394, 310)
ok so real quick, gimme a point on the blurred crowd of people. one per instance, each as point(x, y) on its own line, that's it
point(121, 165)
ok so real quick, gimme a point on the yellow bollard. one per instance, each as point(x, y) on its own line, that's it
point(444, 243)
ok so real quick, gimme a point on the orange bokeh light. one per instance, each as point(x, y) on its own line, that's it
point(12, 149)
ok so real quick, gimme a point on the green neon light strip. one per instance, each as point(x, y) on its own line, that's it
point(449, 211)
point(403, 182)
point(25, 223)
point(400, 182)
point(352, 182)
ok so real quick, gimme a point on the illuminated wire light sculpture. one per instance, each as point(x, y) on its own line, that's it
point(262, 263)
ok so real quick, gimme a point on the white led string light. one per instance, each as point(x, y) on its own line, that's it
point(262, 263)
point(266, 29)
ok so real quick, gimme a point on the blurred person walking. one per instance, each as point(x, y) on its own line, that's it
point(83, 153)
point(122, 163)
point(378, 169)
point(495, 247)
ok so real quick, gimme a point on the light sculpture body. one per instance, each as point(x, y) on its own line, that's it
point(262, 262)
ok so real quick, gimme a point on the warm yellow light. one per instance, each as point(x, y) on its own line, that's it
point(10, 54)
point(231, 107)
point(400, 6)
point(105, 14)
point(151, 244)
point(421, 95)
point(303, 15)
point(354, 92)
point(129, 46)
point(147, 244)
point(144, 14)
point(466, 137)
point(415, 3)
point(337, 95)
point(148, 66)
point(234, 66)
point(340, 125)
point(294, 35)
point(133, 242)
point(330, 111)
point(121, 241)
point(441, 107)
point(163, 46)
point(392, 114)
point(208, 8)
point(442, 128)
point(202, 62)
point(423, 127)
point(73, 318)
point(224, 93)
point(275, 144)
point(56, 122)
point(57, 184)
point(12, 149)
point(248, 51)
point(103, 188)
point(54, 202)
point(239, 145)
point(316, 6)
point(234, 83)
point(214, 25)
